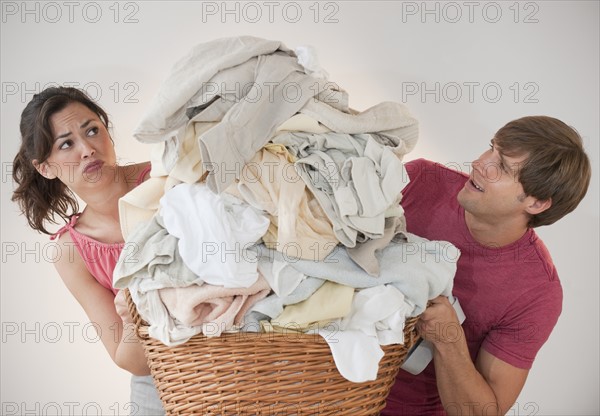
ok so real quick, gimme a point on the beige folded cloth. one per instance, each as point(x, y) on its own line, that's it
point(140, 204)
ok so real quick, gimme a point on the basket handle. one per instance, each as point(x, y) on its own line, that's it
point(135, 316)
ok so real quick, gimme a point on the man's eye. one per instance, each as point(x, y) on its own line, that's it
point(505, 168)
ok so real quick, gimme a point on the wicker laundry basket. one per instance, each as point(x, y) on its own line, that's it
point(263, 374)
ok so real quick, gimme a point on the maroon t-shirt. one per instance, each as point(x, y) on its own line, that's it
point(511, 295)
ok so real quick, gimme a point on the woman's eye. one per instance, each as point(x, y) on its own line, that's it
point(64, 145)
point(93, 131)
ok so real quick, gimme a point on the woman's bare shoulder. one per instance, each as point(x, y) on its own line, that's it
point(69, 264)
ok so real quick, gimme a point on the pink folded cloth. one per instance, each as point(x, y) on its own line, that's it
point(215, 308)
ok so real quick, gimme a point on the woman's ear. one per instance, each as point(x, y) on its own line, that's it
point(44, 169)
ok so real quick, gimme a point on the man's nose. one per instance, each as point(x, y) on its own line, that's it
point(479, 164)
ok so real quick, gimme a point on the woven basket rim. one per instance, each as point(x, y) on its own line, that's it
point(269, 372)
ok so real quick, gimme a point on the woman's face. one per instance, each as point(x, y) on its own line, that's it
point(82, 154)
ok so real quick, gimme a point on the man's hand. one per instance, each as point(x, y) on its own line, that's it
point(489, 386)
point(439, 323)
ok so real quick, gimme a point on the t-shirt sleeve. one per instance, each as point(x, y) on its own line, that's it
point(417, 171)
point(526, 326)
point(413, 168)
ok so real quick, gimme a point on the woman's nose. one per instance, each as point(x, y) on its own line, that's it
point(86, 150)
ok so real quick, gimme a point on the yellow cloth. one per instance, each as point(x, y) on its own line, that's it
point(331, 301)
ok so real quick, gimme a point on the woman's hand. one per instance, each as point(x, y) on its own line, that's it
point(122, 307)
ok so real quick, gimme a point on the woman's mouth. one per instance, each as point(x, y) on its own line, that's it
point(93, 166)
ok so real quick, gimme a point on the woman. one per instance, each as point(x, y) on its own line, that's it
point(66, 150)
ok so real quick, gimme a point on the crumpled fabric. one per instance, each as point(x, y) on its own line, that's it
point(419, 268)
point(355, 178)
point(207, 309)
point(214, 233)
point(377, 318)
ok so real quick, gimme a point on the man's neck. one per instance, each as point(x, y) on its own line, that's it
point(495, 233)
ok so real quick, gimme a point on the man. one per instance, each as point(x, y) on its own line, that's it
point(535, 172)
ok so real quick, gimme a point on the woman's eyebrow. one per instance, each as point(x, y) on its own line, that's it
point(83, 126)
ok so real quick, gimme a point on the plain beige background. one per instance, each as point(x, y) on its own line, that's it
point(464, 69)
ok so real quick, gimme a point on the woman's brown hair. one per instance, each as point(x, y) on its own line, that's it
point(39, 198)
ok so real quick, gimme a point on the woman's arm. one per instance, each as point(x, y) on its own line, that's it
point(119, 340)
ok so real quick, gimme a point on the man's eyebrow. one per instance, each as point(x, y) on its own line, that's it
point(83, 126)
point(511, 167)
point(502, 159)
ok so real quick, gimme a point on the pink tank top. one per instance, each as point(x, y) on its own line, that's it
point(99, 258)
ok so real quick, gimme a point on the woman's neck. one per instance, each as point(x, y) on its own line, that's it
point(102, 201)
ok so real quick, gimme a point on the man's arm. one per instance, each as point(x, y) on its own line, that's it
point(488, 387)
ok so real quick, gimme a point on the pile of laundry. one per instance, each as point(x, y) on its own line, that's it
point(274, 206)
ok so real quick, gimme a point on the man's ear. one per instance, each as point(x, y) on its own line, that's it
point(44, 169)
point(537, 206)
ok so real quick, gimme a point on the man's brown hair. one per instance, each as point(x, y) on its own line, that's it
point(556, 166)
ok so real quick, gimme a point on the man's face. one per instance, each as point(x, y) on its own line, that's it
point(493, 194)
